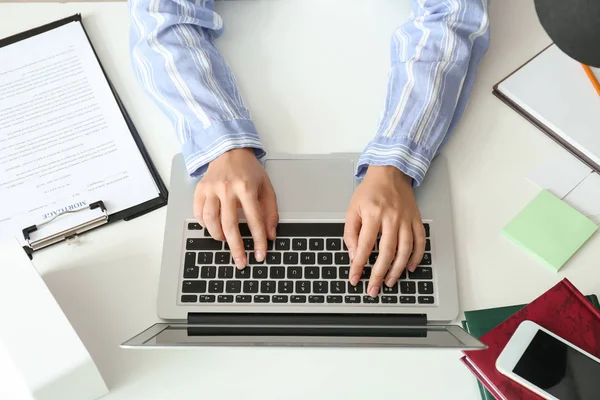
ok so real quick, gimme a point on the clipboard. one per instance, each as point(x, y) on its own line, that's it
point(105, 217)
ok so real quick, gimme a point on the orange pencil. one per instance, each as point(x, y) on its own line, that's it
point(592, 77)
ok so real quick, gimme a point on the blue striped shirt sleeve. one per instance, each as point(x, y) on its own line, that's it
point(434, 57)
point(175, 59)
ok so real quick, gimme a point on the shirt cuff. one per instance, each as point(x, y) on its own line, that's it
point(410, 158)
point(220, 137)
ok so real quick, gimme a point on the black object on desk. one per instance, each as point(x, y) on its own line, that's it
point(574, 26)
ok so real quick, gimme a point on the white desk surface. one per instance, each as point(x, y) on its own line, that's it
point(310, 89)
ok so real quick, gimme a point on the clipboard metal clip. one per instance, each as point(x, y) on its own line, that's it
point(69, 235)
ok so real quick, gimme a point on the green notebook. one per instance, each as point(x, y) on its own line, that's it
point(550, 230)
point(480, 322)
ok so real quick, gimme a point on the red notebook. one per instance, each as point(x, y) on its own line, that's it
point(562, 310)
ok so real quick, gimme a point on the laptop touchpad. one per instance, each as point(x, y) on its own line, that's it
point(312, 185)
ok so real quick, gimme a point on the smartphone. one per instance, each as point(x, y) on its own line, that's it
point(549, 365)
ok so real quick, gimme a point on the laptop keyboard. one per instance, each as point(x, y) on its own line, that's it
point(307, 264)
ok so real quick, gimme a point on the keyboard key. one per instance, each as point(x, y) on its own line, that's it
point(259, 272)
point(333, 244)
point(225, 298)
point(316, 244)
point(390, 290)
point(233, 286)
point(344, 272)
point(191, 272)
point(299, 244)
point(389, 299)
point(329, 272)
point(274, 258)
point(325, 259)
point(242, 273)
point(342, 259)
point(282, 244)
point(355, 289)
point(243, 298)
point(408, 299)
point(316, 299)
point(426, 226)
point(253, 261)
point(189, 298)
point(366, 273)
point(373, 258)
point(334, 299)
point(280, 298)
point(250, 286)
point(226, 246)
point(193, 287)
point(277, 273)
point(207, 298)
point(215, 287)
point(270, 245)
point(290, 258)
point(267, 287)
point(308, 258)
point(194, 226)
point(262, 298)
point(337, 287)
point(407, 287)
point(421, 273)
point(312, 272)
point(208, 272)
point(294, 272)
point(285, 287)
point(344, 246)
point(425, 287)
point(425, 299)
point(302, 286)
point(225, 272)
point(204, 258)
point(427, 245)
point(190, 259)
point(426, 259)
point(370, 300)
point(222, 257)
point(203, 244)
point(352, 299)
point(298, 299)
point(248, 244)
point(320, 287)
point(403, 274)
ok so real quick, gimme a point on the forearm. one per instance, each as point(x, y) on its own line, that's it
point(435, 55)
point(175, 59)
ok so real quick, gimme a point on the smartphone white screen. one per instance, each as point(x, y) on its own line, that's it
point(559, 369)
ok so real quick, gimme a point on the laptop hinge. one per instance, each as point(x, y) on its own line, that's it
point(294, 320)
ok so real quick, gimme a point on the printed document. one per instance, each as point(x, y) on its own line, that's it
point(64, 142)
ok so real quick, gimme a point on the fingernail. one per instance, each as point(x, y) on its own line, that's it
point(354, 280)
point(239, 262)
point(412, 267)
point(351, 253)
point(260, 255)
point(273, 233)
point(374, 291)
point(390, 282)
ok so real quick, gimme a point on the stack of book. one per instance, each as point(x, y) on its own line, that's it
point(562, 310)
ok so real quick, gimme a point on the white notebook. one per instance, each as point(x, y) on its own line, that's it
point(553, 92)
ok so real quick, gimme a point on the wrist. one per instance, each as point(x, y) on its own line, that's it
point(233, 154)
point(388, 172)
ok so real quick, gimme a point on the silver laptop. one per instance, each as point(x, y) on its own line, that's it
point(300, 295)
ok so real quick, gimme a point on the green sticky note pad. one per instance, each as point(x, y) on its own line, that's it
point(550, 230)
